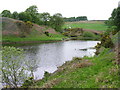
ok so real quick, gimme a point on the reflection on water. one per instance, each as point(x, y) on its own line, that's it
point(52, 55)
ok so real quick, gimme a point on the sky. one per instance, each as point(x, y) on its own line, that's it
point(93, 9)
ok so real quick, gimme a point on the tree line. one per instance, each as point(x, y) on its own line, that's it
point(31, 14)
point(79, 18)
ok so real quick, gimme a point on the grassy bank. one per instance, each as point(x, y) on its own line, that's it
point(95, 72)
point(51, 37)
point(100, 26)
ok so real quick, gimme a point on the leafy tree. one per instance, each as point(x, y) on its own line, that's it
point(6, 13)
point(13, 70)
point(113, 13)
point(45, 18)
point(110, 22)
point(57, 22)
point(33, 12)
point(15, 15)
point(114, 20)
point(25, 16)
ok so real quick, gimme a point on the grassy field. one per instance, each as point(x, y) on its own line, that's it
point(95, 72)
point(87, 25)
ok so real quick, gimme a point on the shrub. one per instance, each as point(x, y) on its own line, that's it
point(88, 34)
point(28, 82)
point(46, 33)
point(77, 58)
point(13, 70)
point(46, 75)
point(29, 24)
point(106, 41)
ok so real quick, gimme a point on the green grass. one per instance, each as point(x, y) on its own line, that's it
point(33, 38)
point(94, 26)
point(102, 74)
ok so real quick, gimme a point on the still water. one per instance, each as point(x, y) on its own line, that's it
point(49, 56)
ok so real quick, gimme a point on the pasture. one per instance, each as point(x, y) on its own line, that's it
point(93, 25)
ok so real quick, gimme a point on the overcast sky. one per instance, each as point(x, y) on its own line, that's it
point(93, 9)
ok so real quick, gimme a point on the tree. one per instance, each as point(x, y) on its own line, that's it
point(6, 13)
point(114, 20)
point(33, 12)
point(57, 22)
point(15, 15)
point(13, 66)
point(25, 16)
point(45, 18)
point(116, 15)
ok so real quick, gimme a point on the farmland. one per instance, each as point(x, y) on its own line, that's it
point(94, 25)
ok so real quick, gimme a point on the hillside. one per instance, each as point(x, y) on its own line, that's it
point(16, 31)
point(16, 27)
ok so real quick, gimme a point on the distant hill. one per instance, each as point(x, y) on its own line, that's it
point(20, 28)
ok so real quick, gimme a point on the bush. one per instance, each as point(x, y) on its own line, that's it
point(13, 66)
point(88, 34)
point(28, 82)
point(46, 33)
point(106, 41)
point(77, 58)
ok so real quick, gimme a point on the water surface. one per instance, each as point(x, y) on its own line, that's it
point(52, 55)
